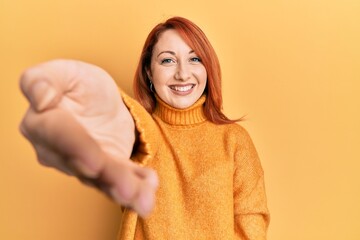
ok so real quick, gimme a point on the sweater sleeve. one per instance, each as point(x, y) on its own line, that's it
point(147, 142)
point(251, 215)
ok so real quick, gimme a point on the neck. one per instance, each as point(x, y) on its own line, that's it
point(181, 117)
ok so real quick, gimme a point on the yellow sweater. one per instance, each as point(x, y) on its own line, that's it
point(211, 180)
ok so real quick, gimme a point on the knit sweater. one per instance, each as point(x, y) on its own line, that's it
point(211, 180)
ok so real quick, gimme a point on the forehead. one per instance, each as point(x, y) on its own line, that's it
point(171, 40)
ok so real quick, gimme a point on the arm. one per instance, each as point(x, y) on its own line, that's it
point(78, 124)
point(251, 215)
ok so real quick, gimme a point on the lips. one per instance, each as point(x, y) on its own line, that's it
point(182, 88)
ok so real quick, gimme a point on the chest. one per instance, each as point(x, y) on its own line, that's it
point(195, 168)
point(198, 158)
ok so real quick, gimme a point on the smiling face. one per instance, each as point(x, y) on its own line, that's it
point(176, 71)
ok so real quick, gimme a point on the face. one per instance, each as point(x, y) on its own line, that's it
point(178, 76)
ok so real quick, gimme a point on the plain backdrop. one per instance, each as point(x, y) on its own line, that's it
point(292, 67)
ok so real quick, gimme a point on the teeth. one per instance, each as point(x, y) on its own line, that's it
point(182, 88)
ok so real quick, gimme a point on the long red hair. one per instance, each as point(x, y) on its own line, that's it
point(196, 39)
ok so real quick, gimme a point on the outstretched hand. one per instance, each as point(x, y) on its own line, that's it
point(78, 124)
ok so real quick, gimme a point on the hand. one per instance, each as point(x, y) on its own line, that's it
point(78, 124)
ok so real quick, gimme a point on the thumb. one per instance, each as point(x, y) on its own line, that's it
point(38, 90)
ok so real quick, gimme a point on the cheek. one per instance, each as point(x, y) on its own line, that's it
point(160, 77)
point(202, 76)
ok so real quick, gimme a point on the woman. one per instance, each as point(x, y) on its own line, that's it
point(209, 179)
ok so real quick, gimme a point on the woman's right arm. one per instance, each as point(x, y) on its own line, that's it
point(78, 124)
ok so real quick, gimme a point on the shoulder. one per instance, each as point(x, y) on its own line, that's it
point(246, 153)
point(236, 132)
point(234, 137)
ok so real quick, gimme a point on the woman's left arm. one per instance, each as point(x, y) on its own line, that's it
point(251, 215)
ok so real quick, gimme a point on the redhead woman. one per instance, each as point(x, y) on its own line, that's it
point(176, 164)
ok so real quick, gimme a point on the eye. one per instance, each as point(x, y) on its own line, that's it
point(195, 59)
point(167, 60)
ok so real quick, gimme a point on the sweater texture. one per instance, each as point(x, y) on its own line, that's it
point(211, 180)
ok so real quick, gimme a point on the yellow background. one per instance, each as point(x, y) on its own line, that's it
point(293, 67)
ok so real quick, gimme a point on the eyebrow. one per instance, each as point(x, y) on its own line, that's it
point(172, 53)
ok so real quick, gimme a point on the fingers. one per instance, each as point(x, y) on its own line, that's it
point(67, 144)
point(39, 88)
point(131, 185)
point(49, 158)
point(44, 85)
point(149, 175)
point(145, 200)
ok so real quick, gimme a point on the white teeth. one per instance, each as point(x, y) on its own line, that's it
point(182, 88)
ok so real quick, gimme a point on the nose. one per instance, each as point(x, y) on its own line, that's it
point(182, 72)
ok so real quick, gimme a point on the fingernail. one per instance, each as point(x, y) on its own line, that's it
point(42, 95)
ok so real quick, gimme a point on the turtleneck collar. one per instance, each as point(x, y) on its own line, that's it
point(181, 117)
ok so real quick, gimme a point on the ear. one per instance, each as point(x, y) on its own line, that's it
point(148, 72)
